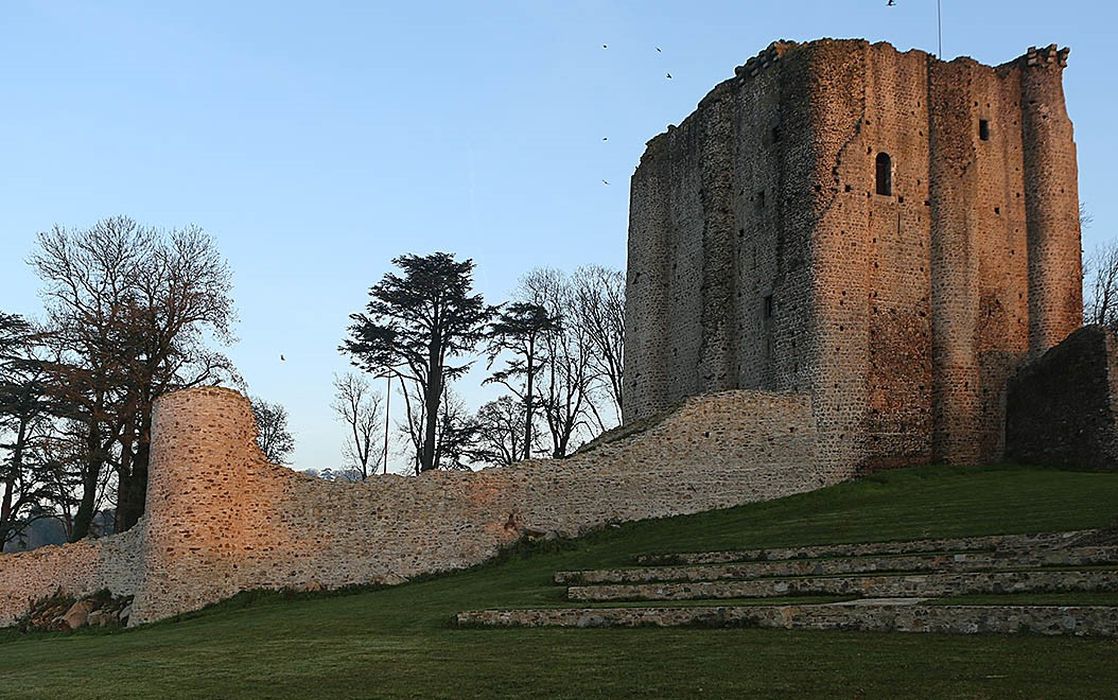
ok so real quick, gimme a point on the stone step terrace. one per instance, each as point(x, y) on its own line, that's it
point(889, 586)
point(938, 562)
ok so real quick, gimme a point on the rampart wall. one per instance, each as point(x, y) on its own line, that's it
point(220, 519)
point(114, 563)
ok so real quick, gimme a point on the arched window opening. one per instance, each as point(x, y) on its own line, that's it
point(884, 174)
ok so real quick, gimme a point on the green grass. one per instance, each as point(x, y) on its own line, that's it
point(399, 642)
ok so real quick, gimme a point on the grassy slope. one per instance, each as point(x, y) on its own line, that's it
point(398, 642)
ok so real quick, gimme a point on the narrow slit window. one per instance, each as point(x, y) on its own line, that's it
point(984, 129)
point(768, 306)
point(884, 174)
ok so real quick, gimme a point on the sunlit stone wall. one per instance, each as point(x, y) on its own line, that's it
point(112, 562)
point(220, 519)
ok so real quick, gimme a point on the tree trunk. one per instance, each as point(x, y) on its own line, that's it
point(561, 440)
point(10, 483)
point(124, 472)
point(529, 394)
point(132, 490)
point(6, 511)
point(430, 428)
point(83, 519)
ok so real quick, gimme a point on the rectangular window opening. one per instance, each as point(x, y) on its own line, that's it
point(884, 175)
point(768, 305)
point(984, 129)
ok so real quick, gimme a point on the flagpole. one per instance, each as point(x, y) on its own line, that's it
point(939, 26)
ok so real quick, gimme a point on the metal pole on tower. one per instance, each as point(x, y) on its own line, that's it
point(939, 26)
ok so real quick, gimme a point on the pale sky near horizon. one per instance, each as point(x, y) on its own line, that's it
point(317, 140)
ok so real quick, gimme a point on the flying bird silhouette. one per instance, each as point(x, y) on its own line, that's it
point(669, 76)
point(605, 182)
point(283, 359)
point(605, 138)
point(658, 50)
point(891, 3)
point(604, 46)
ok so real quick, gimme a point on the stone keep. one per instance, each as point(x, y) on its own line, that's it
point(891, 233)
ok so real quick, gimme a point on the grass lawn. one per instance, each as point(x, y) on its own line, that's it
point(398, 642)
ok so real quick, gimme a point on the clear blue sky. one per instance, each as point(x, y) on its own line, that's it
point(316, 140)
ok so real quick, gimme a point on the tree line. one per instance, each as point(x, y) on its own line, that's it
point(131, 312)
point(555, 348)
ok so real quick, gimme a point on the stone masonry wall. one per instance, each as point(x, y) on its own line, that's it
point(1062, 410)
point(719, 295)
point(1079, 621)
point(221, 520)
point(903, 314)
point(76, 569)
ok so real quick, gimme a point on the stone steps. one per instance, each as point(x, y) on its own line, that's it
point(1008, 543)
point(877, 616)
point(946, 563)
point(886, 586)
point(930, 585)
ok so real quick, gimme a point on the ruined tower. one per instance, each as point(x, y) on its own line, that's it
point(891, 233)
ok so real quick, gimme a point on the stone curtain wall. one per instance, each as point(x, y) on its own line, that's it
point(762, 256)
point(222, 520)
point(1061, 409)
point(76, 569)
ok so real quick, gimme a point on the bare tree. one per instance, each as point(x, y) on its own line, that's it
point(500, 431)
point(454, 436)
point(565, 379)
point(1086, 218)
point(131, 310)
point(1101, 279)
point(272, 434)
point(600, 312)
point(356, 405)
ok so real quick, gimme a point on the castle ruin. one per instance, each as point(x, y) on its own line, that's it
point(838, 263)
point(891, 233)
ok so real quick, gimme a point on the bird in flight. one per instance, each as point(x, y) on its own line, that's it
point(891, 3)
point(605, 182)
point(605, 138)
point(604, 46)
point(658, 50)
point(669, 76)
point(283, 359)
